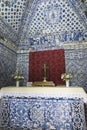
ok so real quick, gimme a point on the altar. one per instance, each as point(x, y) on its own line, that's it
point(42, 108)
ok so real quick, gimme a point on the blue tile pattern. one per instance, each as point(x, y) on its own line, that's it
point(51, 25)
point(11, 12)
point(23, 66)
point(45, 25)
point(37, 15)
point(13, 17)
point(42, 113)
point(52, 16)
point(6, 32)
point(79, 7)
point(7, 65)
point(76, 63)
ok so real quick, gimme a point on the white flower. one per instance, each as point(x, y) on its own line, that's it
point(66, 76)
point(17, 76)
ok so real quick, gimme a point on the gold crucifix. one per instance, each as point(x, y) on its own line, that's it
point(45, 72)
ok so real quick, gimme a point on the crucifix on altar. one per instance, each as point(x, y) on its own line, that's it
point(45, 67)
point(45, 74)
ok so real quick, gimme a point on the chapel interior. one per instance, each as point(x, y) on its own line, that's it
point(41, 41)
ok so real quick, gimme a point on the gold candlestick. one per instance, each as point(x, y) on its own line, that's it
point(45, 67)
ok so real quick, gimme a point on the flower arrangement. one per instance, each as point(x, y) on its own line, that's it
point(17, 76)
point(66, 76)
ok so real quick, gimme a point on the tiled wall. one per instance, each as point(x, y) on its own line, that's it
point(7, 65)
point(23, 65)
point(50, 24)
point(11, 12)
point(45, 31)
point(76, 63)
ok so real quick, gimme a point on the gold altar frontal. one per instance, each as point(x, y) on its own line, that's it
point(42, 83)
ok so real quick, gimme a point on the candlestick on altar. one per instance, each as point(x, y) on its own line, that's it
point(45, 72)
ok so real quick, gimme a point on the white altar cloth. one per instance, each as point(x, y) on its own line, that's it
point(59, 92)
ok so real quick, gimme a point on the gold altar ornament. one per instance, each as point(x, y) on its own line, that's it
point(44, 82)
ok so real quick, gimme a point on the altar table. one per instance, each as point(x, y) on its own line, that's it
point(42, 108)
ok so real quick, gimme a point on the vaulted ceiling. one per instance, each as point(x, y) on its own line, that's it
point(14, 14)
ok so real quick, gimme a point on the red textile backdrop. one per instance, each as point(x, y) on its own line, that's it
point(55, 61)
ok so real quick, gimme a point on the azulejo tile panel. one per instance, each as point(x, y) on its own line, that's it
point(76, 64)
point(42, 113)
point(7, 65)
point(11, 12)
point(52, 24)
point(52, 16)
